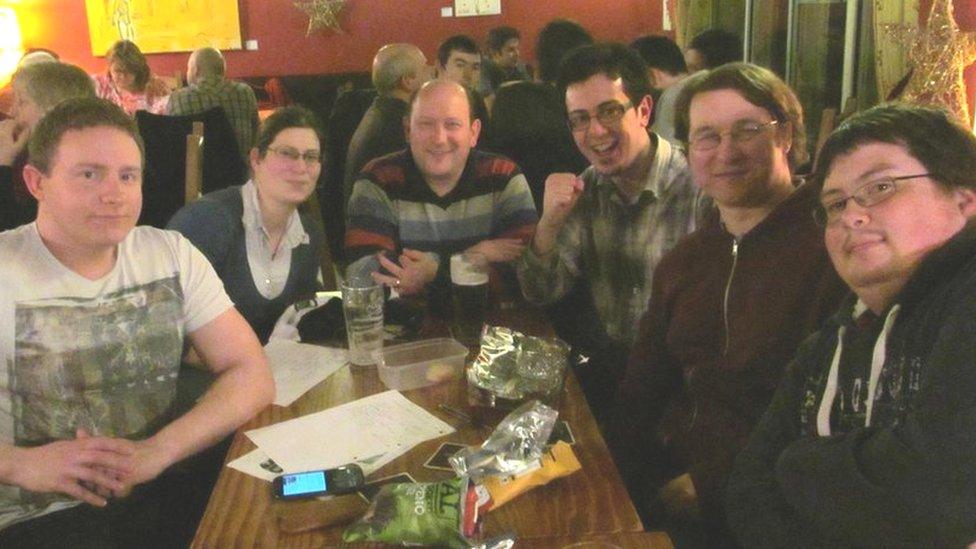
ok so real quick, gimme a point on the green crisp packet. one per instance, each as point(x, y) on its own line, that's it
point(432, 513)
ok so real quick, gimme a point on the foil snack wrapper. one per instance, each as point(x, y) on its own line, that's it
point(517, 367)
point(514, 447)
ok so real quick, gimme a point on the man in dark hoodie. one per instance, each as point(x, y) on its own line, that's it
point(870, 439)
point(729, 304)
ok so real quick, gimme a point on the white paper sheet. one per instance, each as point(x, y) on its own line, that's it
point(257, 464)
point(371, 431)
point(297, 367)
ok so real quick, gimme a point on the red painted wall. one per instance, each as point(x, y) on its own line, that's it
point(284, 49)
point(280, 28)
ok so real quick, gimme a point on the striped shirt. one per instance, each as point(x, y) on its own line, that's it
point(615, 245)
point(392, 208)
point(236, 98)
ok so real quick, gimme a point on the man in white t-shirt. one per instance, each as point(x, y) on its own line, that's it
point(94, 313)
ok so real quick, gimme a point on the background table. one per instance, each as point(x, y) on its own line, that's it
point(591, 501)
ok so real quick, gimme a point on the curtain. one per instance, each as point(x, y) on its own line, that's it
point(691, 17)
point(891, 55)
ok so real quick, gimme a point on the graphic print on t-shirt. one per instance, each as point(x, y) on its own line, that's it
point(107, 365)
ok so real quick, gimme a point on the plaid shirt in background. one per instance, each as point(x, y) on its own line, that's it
point(237, 100)
point(614, 245)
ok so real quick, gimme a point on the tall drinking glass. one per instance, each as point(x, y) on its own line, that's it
point(362, 305)
point(469, 288)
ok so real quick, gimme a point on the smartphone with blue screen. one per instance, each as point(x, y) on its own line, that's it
point(325, 482)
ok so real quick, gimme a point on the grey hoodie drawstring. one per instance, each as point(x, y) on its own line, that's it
point(877, 363)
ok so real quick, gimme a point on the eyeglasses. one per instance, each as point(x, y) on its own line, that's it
point(289, 153)
point(608, 113)
point(742, 132)
point(868, 195)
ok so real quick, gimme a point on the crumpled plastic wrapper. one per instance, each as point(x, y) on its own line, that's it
point(514, 366)
point(447, 514)
point(514, 447)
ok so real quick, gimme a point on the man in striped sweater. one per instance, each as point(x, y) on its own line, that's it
point(410, 210)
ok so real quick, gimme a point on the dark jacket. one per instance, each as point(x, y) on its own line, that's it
point(17, 206)
point(379, 133)
point(528, 125)
point(724, 318)
point(908, 480)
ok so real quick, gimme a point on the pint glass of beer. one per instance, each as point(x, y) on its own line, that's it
point(469, 286)
point(362, 305)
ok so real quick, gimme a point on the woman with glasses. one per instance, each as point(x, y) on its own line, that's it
point(263, 249)
point(729, 304)
point(129, 83)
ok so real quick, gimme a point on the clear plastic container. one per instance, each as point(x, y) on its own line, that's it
point(421, 363)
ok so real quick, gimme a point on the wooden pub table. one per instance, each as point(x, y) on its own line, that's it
point(589, 504)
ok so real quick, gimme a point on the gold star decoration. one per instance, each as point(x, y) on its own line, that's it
point(322, 14)
point(938, 54)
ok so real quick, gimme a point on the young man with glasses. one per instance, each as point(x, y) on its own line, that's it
point(609, 226)
point(870, 439)
point(729, 304)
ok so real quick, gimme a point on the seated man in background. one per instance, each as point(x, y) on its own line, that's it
point(398, 72)
point(712, 48)
point(95, 313)
point(528, 119)
point(503, 64)
point(37, 88)
point(459, 59)
point(668, 74)
point(411, 210)
point(870, 439)
point(207, 87)
point(729, 304)
point(31, 56)
point(611, 225)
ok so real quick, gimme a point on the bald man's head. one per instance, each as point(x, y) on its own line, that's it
point(203, 63)
point(443, 87)
point(441, 132)
point(399, 67)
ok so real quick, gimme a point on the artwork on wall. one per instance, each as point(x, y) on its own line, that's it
point(164, 25)
point(938, 53)
point(322, 14)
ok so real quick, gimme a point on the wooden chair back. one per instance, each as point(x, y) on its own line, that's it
point(326, 262)
point(194, 163)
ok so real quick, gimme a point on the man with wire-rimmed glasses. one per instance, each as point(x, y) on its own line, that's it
point(609, 226)
point(729, 305)
point(870, 439)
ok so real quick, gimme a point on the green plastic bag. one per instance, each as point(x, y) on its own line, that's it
point(421, 513)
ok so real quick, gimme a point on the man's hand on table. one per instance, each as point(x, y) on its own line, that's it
point(411, 276)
